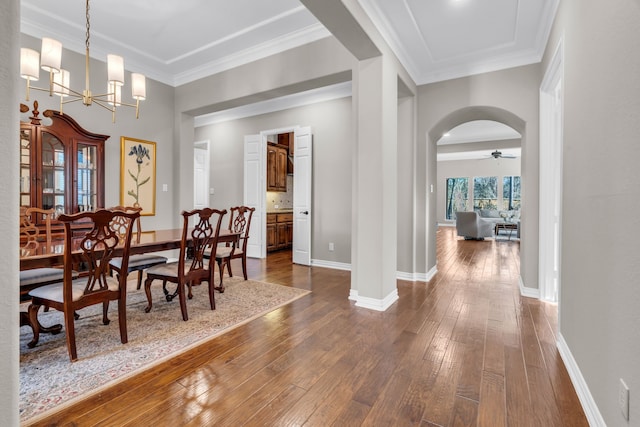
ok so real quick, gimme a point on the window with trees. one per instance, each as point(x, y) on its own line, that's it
point(485, 192)
point(511, 193)
point(457, 196)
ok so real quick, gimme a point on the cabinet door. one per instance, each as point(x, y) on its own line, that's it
point(27, 174)
point(282, 235)
point(271, 237)
point(52, 191)
point(272, 182)
point(86, 180)
point(289, 234)
point(281, 169)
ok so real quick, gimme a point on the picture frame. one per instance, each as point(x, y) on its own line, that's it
point(138, 174)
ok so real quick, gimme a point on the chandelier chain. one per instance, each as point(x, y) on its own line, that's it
point(88, 26)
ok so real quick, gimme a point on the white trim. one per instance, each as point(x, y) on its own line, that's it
point(331, 264)
point(374, 303)
point(582, 389)
point(528, 292)
point(322, 94)
point(447, 224)
point(417, 277)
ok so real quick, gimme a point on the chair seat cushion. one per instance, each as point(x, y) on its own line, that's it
point(53, 292)
point(42, 275)
point(139, 261)
point(170, 269)
point(225, 252)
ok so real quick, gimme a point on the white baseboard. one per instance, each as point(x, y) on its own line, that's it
point(417, 277)
point(374, 303)
point(528, 292)
point(589, 406)
point(331, 264)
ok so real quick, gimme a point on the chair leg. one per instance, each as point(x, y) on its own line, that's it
point(139, 279)
point(35, 325)
point(244, 266)
point(212, 298)
point(122, 320)
point(147, 291)
point(228, 263)
point(221, 262)
point(105, 311)
point(69, 324)
point(183, 301)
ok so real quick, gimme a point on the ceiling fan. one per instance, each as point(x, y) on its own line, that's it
point(498, 154)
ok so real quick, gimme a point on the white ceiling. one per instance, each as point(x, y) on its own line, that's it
point(176, 42)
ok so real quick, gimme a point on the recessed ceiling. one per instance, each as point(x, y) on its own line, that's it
point(477, 139)
point(176, 42)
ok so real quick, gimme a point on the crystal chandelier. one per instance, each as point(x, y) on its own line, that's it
point(50, 60)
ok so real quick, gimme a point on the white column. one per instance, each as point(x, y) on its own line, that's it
point(374, 247)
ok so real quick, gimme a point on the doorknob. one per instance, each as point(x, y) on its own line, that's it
point(304, 212)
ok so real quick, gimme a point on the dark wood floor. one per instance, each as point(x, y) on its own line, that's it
point(462, 350)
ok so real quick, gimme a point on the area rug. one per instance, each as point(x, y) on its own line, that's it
point(48, 379)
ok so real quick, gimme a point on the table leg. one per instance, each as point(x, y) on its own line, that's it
point(24, 321)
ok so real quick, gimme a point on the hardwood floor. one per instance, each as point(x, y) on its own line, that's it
point(462, 350)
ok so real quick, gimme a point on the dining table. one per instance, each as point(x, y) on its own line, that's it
point(47, 256)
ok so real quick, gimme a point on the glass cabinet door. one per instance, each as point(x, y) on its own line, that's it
point(25, 168)
point(53, 173)
point(87, 177)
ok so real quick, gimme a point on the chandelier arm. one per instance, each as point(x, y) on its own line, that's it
point(109, 101)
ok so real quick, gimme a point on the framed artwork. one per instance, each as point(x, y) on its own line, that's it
point(138, 174)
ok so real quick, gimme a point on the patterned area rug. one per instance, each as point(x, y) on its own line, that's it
point(48, 379)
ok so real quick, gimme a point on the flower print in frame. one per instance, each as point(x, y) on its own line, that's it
point(138, 174)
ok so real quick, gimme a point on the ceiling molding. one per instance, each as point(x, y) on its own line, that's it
point(327, 93)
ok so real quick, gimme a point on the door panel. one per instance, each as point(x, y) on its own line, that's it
point(302, 212)
point(254, 191)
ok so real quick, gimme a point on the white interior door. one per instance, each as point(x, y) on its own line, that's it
point(255, 193)
point(200, 174)
point(302, 166)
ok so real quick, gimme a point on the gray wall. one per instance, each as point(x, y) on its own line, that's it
point(470, 169)
point(508, 96)
point(9, 128)
point(330, 123)
point(599, 292)
point(155, 124)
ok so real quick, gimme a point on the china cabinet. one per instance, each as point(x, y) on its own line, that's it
point(61, 164)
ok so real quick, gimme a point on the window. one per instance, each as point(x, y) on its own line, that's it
point(511, 193)
point(485, 192)
point(457, 196)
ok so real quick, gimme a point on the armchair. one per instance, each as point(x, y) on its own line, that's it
point(472, 227)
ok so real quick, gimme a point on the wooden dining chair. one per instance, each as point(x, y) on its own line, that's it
point(137, 262)
point(94, 246)
point(239, 222)
point(34, 241)
point(189, 271)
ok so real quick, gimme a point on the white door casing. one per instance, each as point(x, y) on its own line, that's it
point(551, 139)
point(201, 174)
point(302, 213)
point(255, 193)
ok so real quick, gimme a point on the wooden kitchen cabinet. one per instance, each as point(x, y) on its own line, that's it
point(61, 164)
point(279, 231)
point(276, 168)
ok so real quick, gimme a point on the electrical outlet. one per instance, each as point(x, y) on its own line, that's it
point(331, 247)
point(623, 399)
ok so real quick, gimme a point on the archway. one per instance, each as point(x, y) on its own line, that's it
point(529, 212)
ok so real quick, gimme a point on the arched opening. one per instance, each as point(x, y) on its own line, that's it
point(528, 214)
